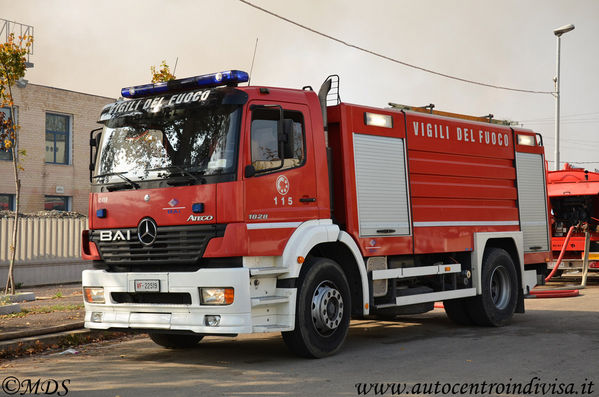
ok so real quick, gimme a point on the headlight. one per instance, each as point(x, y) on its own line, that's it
point(94, 294)
point(216, 296)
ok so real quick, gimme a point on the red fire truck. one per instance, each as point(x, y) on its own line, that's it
point(574, 198)
point(219, 209)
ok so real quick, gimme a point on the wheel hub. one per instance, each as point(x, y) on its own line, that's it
point(500, 287)
point(327, 308)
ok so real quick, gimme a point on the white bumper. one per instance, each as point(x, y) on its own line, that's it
point(235, 318)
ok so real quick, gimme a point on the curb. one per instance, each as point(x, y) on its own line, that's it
point(40, 331)
point(10, 308)
point(32, 344)
point(20, 297)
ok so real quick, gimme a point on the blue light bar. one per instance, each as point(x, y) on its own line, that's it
point(229, 77)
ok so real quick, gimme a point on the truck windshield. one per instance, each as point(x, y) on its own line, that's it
point(189, 142)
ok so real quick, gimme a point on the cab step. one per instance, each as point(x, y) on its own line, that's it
point(267, 271)
point(271, 328)
point(269, 300)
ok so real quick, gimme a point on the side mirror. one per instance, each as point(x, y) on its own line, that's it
point(250, 171)
point(94, 142)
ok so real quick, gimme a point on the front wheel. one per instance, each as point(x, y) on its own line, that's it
point(323, 310)
point(496, 305)
point(175, 341)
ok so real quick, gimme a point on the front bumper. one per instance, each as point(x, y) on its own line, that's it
point(234, 318)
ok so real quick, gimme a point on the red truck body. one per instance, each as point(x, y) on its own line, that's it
point(574, 199)
point(359, 211)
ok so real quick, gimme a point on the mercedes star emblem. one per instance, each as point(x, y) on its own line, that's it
point(147, 231)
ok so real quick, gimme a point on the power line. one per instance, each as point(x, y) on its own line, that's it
point(584, 121)
point(376, 54)
point(552, 118)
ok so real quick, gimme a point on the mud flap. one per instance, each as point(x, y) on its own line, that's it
point(520, 303)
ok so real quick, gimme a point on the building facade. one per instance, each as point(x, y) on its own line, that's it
point(55, 130)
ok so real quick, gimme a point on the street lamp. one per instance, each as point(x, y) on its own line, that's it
point(558, 33)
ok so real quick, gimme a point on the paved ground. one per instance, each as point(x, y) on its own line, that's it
point(555, 346)
point(54, 305)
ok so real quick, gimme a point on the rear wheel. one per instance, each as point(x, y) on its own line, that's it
point(175, 341)
point(322, 311)
point(496, 305)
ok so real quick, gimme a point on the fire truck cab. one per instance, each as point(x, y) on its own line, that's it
point(219, 209)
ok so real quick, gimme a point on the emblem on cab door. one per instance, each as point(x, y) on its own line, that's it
point(282, 185)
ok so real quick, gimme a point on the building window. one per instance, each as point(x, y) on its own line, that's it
point(7, 202)
point(58, 203)
point(57, 138)
point(5, 154)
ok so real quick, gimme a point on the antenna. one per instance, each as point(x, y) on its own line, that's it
point(175, 68)
point(253, 57)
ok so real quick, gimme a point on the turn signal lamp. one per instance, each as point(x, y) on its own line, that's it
point(229, 77)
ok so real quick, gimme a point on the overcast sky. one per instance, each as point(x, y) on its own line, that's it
point(97, 47)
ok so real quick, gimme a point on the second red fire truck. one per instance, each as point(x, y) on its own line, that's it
point(574, 199)
point(220, 209)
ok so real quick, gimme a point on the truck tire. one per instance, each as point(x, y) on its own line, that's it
point(323, 310)
point(457, 311)
point(175, 341)
point(496, 305)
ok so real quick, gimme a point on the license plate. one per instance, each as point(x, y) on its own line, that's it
point(147, 285)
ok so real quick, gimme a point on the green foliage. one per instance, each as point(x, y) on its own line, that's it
point(163, 74)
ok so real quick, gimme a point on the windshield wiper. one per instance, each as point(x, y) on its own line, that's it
point(120, 175)
point(183, 171)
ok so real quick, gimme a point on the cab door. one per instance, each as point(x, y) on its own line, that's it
point(280, 187)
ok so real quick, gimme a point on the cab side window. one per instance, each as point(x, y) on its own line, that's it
point(271, 152)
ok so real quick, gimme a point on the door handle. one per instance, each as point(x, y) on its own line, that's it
point(386, 231)
point(308, 200)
